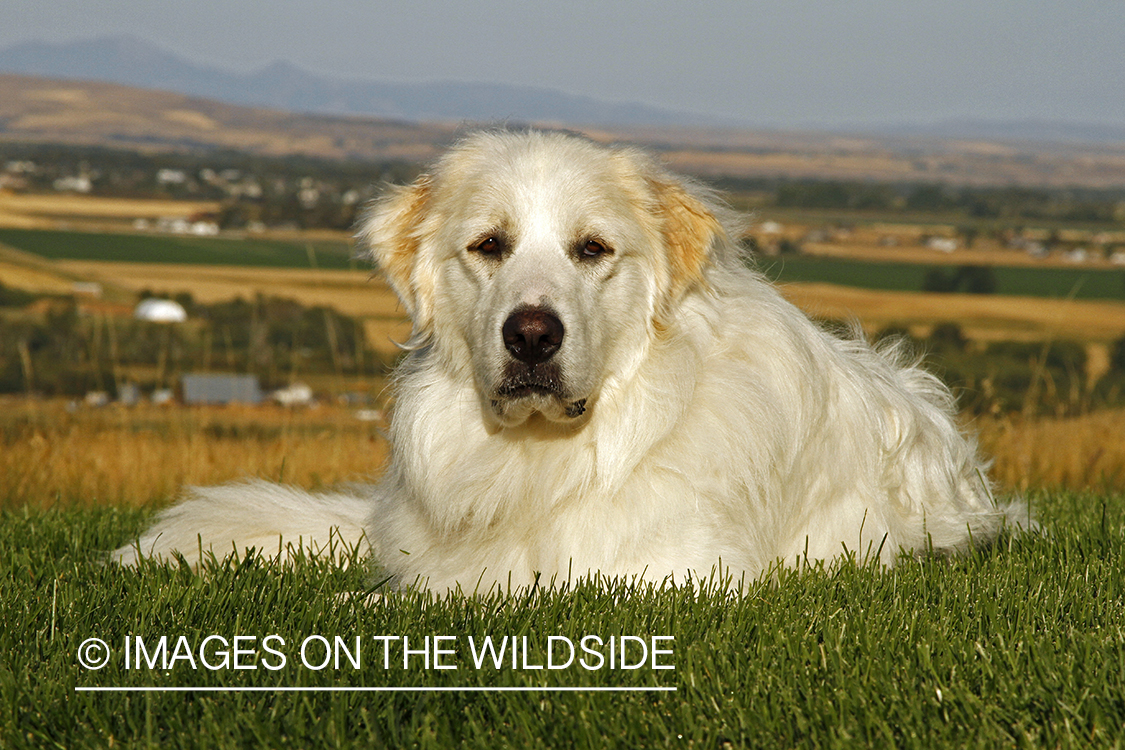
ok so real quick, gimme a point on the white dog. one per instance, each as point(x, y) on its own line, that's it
point(599, 383)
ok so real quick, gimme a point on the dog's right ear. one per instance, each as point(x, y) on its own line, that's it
point(392, 233)
point(690, 231)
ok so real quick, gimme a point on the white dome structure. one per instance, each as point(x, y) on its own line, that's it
point(160, 311)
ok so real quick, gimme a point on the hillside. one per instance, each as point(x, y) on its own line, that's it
point(42, 110)
point(104, 114)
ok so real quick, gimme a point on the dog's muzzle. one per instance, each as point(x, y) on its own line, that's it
point(532, 334)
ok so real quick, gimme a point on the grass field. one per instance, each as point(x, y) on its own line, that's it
point(1021, 281)
point(151, 248)
point(1022, 645)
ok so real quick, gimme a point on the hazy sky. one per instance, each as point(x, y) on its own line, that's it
point(774, 62)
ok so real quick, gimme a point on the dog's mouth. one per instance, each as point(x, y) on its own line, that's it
point(524, 390)
point(540, 385)
point(524, 381)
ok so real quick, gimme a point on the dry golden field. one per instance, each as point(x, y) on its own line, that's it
point(350, 292)
point(983, 317)
point(29, 211)
point(869, 159)
point(51, 454)
point(46, 281)
point(1086, 452)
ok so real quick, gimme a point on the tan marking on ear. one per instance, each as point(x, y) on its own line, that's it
point(690, 230)
point(393, 235)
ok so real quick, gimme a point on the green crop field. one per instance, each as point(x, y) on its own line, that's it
point(148, 248)
point(1020, 645)
point(1025, 281)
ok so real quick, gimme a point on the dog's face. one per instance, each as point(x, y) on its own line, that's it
point(539, 265)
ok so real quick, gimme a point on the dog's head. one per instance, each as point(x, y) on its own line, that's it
point(541, 265)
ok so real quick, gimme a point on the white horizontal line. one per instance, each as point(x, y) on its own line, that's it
point(381, 689)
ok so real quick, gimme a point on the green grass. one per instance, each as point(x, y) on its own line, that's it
point(1020, 645)
point(148, 248)
point(1010, 280)
point(908, 218)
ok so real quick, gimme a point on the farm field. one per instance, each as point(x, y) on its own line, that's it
point(1031, 302)
point(47, 211)
point(161, 248)
point(983, 317)
point(357, 293)
point(860, 266)
point(51, 453)
point(983, 253)
point(353, 293)
point(1021, 281)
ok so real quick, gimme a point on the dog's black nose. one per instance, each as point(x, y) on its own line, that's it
point(532, 334)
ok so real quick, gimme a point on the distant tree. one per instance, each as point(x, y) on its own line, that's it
point(969, 235)
point(10, 297)
point(186, 301)
point(788, 247)
point(970, 279)
point(813, 195)
point(929, 198)
point(948, 337)
point(937, 280)
point(977, 279)
point(1117, 356)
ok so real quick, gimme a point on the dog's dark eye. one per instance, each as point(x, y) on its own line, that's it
point(593, 249)
point(489, 246)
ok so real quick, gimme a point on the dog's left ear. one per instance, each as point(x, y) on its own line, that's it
point(691, 232)
point(393, 233)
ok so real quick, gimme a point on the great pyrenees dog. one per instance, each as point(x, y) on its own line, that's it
point(599, 383)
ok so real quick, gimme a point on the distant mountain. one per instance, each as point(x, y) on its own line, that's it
point(281, 85)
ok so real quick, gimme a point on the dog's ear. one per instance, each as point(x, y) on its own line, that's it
point(392, 233)
point(691, 232)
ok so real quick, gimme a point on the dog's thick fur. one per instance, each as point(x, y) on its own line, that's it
point(598, 382)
